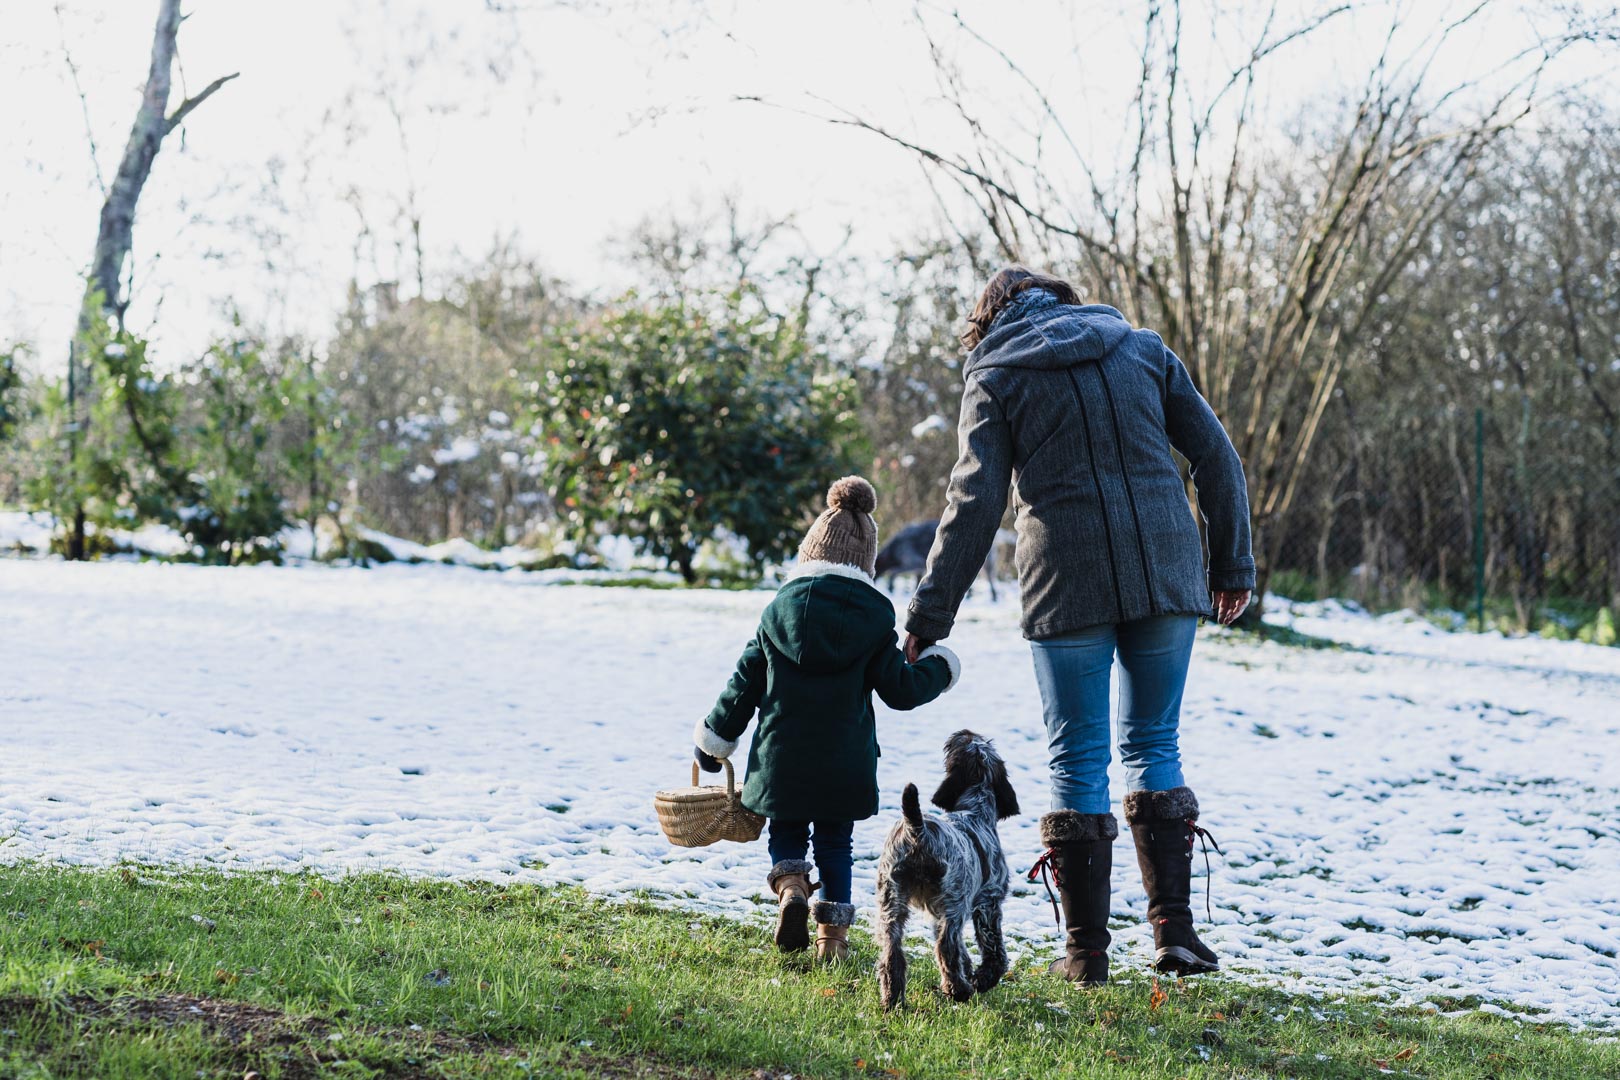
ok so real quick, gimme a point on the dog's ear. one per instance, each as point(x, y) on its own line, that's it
point(960, 773)
point(1006, 799)
point(950, 790)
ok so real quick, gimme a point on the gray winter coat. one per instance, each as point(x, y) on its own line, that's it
point(1079, 412)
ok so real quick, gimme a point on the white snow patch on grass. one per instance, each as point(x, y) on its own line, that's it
point(1433, 818)
point(22, 531)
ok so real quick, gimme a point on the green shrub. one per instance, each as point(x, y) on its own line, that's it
point(12, 394)
point(1600, 631)
point(674, 426)
point(207, 450)
point(238, 395)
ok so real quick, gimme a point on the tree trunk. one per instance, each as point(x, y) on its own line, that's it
point(75, 538)
point(313, 510)
point(1527, 544)
point(115, 235)
point(1614, 573)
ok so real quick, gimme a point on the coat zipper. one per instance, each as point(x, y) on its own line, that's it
point(1130, 492)
point(1102, 501)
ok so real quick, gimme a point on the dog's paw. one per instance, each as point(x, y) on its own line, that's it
point(891, 989)
point(956, 991)
point(986, 979)
point(890, 994)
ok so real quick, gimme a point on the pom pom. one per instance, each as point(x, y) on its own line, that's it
point(852, 493)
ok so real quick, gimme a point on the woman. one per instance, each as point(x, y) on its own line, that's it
point(1079, 412)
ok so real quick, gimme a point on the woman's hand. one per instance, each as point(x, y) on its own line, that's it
point(1229, 604)
point(914, 646)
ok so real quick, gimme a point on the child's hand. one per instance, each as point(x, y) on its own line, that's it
point(706, 762)
point(914, 646)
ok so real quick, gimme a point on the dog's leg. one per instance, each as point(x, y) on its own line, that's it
point(950, 952)
point(892, 912)
point(992, 948)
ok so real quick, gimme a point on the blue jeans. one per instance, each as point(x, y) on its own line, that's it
point(1074, 670)
point(834, 861)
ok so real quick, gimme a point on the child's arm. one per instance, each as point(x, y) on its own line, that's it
point(906, 686)
point(717, 734)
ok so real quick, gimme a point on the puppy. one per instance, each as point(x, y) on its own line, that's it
point(951, 867)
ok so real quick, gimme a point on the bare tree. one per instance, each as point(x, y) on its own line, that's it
point(1263, 266)
point(1509, 314)
point(105, 293)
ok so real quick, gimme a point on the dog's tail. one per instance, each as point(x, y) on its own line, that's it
point(911, 809)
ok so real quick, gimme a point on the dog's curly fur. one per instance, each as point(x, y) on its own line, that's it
point(951, 867)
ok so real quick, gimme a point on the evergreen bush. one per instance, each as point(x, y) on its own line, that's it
point(673, 425)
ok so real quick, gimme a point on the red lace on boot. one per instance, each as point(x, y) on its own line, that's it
point(1208, 842)
point(1045, 866)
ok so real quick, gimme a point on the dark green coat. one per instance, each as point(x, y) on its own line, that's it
point(825, 643)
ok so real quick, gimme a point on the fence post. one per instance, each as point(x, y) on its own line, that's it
point(1479, 517)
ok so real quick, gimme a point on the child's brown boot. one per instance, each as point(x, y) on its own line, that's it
point(833, 921)
point(790, 881)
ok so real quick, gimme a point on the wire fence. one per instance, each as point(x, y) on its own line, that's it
point(1507, 518)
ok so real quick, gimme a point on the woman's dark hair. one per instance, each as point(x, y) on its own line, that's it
point(1008, 283)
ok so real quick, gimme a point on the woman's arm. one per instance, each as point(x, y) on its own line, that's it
point(976, 499)
point(1217, 474)
point(718, 733)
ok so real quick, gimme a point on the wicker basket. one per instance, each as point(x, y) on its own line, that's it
point(697, 816)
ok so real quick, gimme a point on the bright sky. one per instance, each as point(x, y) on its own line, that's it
point(558, 128)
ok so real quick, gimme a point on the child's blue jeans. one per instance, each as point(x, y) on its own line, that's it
point(832, 840)
point(1074, 671)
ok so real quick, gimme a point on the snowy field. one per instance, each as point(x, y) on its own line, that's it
point(1432, 818)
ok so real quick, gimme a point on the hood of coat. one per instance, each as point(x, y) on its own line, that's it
point(1036, 331)
point(828, 617)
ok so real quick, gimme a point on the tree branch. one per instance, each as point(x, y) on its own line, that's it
point(84, 103)
point(185, 108)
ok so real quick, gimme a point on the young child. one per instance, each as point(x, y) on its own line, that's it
point(825, 643)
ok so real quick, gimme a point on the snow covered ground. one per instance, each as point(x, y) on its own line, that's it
point(1433, 818)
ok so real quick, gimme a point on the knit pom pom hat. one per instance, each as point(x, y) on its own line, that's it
point(845, 532)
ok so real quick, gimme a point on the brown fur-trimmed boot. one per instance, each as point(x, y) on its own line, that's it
point(1080, 853)
point(790, 881)
point(833, 921)
point(1163, 824)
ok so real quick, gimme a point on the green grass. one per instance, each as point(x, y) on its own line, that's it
point(1564, 614)
point(713, 582)
point(631, 581)
point(1288, 637)
point(142, 972)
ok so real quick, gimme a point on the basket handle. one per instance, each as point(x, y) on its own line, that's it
point(731, 778)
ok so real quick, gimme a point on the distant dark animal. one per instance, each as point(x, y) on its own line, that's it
point(951, 867)
point(907, 553)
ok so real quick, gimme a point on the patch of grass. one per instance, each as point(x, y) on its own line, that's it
point(627, 582)
point(728, 583)
point(1289, 637)
point(107, 973)
point(1564, 614)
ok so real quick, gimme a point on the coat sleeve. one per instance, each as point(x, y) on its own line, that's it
point(976, 499)
point(1217, 474)
point(718, 733)
point(906, 686)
